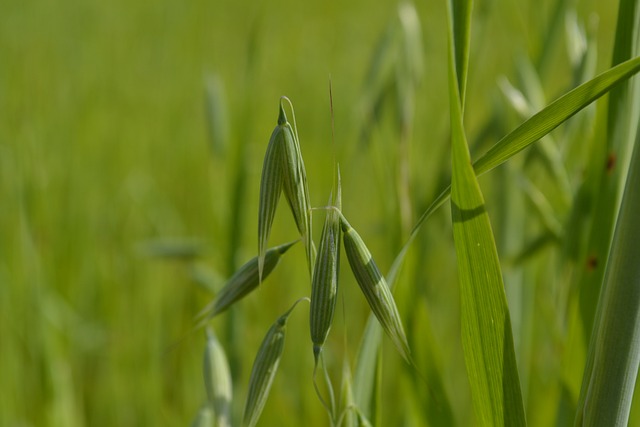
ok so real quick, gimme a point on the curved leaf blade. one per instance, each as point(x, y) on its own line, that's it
point(554, 114)
point(530, 131)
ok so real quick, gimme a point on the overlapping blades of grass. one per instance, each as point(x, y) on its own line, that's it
point(610, 376)
point(609, 165)
point(487, 338)
point(527, 133)
point(553, 115)
point(612, 364)
point(530, 131)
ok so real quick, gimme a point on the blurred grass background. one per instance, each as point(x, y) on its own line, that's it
point(105, 147)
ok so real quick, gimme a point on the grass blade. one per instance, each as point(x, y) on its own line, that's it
point(610, 380)
point(487, 338)
point(539, 125)
point(553, 115)
point(461, 11)
point(367, 376)
point(619, 290)
point(609, 165)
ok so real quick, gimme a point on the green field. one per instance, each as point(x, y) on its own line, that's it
point(132, 135)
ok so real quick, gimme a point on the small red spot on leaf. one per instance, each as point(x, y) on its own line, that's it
point(611, 162)
point(592, 263)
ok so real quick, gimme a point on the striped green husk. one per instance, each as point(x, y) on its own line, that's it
point(374, 287)
point(324, 286)
point(264, 369)
point(245, 280)
point(217, 380)
point(270, 188)
point(283, 170)
point(296, 189)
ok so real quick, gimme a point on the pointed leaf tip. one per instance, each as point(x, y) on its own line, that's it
point(282, 117)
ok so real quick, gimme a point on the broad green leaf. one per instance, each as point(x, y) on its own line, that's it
point(487, 339)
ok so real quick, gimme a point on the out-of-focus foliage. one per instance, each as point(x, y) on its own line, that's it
point(131, 141)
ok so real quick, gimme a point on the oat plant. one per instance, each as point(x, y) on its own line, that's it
point(487, 335)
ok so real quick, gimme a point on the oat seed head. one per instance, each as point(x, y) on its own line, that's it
point(374, 287)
